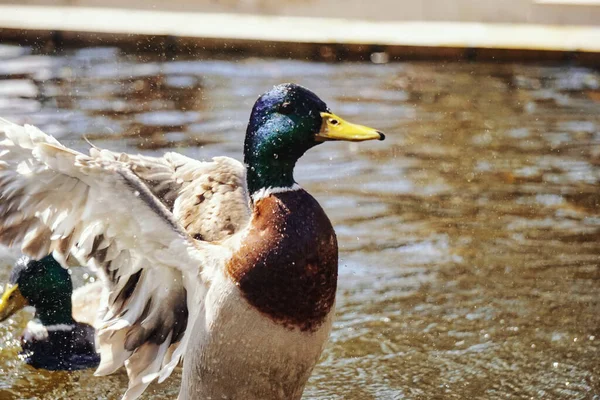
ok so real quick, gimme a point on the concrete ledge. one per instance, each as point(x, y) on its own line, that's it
point(297, 37)
point(570, 2)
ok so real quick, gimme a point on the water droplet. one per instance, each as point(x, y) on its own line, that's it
point(380, 57)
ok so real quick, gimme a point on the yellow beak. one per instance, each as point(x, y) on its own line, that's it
point(335, 128)
point(11, 302)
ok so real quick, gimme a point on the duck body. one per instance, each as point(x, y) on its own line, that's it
point(262, 315)
point(59, 347)
point(231, 267)
point(243, 354)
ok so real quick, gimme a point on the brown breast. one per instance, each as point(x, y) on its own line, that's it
point(287, 265)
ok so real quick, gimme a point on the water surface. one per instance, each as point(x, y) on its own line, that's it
point(470, 238)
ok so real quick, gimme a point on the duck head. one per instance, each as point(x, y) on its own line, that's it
point(43, 284)
point(285, 122)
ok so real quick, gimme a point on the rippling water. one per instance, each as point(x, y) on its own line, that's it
point(470, 239)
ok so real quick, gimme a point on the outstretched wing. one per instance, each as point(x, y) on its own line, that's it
point(126, 216)
point(208, 199)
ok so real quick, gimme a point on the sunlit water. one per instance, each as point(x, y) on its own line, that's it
point(470, 238)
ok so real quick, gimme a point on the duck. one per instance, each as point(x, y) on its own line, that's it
point(54, 339)
point(227, 267)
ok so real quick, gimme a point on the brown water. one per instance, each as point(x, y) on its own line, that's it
point(470, 239)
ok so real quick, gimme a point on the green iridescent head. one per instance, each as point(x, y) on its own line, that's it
point(285, 122)
point(43, 284)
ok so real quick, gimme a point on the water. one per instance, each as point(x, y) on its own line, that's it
point(470, 238)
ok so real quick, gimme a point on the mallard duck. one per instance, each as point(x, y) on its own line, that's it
point(230, 266)
point(53, 340)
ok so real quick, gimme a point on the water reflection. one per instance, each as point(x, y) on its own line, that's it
point(470, 241)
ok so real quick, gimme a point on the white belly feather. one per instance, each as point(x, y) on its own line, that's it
point(239, 353)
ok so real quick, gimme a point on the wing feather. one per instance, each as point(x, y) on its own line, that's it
point(133, 219)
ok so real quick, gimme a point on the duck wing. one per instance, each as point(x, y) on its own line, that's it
point(86, 302)
point(208, 199)
point(133, 219)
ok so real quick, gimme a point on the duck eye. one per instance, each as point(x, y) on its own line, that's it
point(286, 108)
